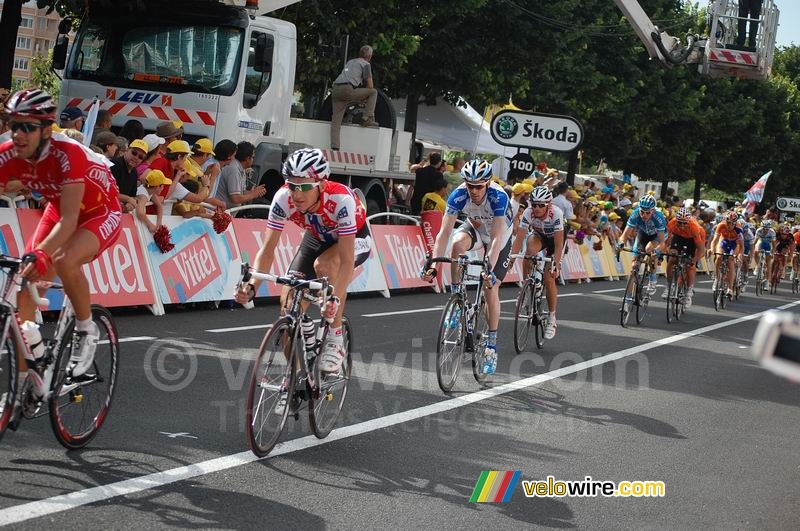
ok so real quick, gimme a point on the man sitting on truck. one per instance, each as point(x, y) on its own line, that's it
point(354, 84)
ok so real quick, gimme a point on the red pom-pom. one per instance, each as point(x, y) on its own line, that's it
point(162, 239)
point(221, 220)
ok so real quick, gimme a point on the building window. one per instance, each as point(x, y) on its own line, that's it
point(24, 43)
point(20, 63)
point(27, 22)
point(47, 44)
point(42, 23)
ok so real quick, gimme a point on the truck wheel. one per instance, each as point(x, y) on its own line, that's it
point(384, 111)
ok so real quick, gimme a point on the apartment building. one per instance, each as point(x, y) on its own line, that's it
point(36, 35)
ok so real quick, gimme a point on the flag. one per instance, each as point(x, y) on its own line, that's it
point(756, 193)
point(88, 125)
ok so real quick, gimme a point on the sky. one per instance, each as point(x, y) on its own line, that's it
point(788, 23)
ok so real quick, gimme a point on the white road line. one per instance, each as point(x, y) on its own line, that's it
point(608, 290)
point(128, 339)
point(403, 312)
point(238, 328)
point(64, 502)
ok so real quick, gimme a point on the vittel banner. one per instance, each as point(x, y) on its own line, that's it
point(119, 276)
point(203, 266)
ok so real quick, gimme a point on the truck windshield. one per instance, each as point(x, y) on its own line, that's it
point(176, 58)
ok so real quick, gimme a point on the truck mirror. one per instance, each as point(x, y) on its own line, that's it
point(60, 52)
point(65, 26)
point(262, 62)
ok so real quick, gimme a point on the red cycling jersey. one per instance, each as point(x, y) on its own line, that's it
point(64, 161)
point(341, 213)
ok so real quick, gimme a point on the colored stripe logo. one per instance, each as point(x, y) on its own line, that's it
point(495, 486)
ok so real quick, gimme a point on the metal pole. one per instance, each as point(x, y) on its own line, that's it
point(346, 49)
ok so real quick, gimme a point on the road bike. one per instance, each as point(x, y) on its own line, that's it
point(740, 281)
point(637, 290)
point(78, 406)
point(721, 282)
point(676, 285)
point(463, 327)
point(761, 271)
point(531, 310)
point(795, 278)
point(286, 375)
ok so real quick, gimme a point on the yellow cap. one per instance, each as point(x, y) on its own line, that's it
point(138, 144)
point(192, 169)
point(179, 146)
point(178, 124)
point(204, 146)
point(156, 178)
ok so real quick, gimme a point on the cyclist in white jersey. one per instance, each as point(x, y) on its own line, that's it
point(542, 225)
point(489, 225)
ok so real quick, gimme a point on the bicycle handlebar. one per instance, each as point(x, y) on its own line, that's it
point(533, 258)
point(320, 284)
point(463, 259)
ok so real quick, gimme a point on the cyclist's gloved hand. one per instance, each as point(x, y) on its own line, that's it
point(428, 271)
point(490, 279)
point(245, 293)
point(38, 260)
point(620, 244)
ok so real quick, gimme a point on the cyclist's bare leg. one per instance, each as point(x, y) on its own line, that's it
point(68, 263)
point(492, 296)
point(731, 272)
point(461, 244)
point(533, 246)
point(26, 310)
point(327, 265)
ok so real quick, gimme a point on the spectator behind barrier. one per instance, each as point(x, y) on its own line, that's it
point(132, 130)
point(232, 182)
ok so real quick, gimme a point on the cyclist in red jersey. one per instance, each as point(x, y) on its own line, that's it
point(82, 217)
point(337, 239)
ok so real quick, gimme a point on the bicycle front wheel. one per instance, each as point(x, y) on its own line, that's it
point(327, 400)
point(271, 390)
point(8, 380)
point(524, 316)
point(643, 297)
point(628, 300)
point(541, 311)
point(79, 405)
point(672, 292)
point(450, 344)
point(680, 296)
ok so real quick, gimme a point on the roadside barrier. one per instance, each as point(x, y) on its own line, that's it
point(204, 265)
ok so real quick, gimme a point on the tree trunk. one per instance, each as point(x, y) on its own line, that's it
point(9, 23)
point(697, 184)
point(664, 186)
point(410, 126)
point(573, 164)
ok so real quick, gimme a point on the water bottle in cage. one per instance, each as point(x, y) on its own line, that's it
point(309, 334)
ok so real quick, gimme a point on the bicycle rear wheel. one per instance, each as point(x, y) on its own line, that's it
point(481, 330)
point(8, 380)
point(326, 401)
point(628, 300)
point(79, 405)
point(272, 380)
point(450, 344)
point(524, 316)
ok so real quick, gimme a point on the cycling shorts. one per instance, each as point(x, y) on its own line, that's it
point(728, 246)
point(548, 244)
point(765, 246)
point(311, 248)
point(643, 239)
point(501, 267)
point(104, 223)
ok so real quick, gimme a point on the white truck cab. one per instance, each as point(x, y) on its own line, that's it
point(224, 72)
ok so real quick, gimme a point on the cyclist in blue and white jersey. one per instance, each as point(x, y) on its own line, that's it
point(649, 226)
point(765, 242)
point(489, 225)
point(542, 226)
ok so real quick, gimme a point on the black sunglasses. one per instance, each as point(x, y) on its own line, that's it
point(475, 186)
point(538, 205)
point(25, 127)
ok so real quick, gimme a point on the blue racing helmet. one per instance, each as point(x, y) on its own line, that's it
point(648, 202)
point(476, 171)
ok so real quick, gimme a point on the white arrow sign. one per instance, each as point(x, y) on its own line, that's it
point(790, 204)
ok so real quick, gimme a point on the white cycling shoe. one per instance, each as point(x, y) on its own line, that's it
point(332, 357)
point(83, 355)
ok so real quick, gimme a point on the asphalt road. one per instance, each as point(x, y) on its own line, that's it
point(682, 403)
